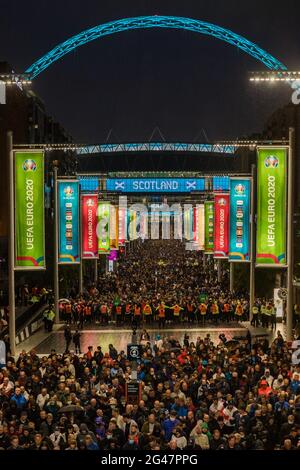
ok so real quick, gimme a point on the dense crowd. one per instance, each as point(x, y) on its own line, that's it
point(230, 395)
point(161, 282)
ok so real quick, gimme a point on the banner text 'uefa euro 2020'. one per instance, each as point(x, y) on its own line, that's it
point(271, 206)
point(29, 210)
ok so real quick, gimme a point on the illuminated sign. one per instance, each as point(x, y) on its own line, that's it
point(155, 185)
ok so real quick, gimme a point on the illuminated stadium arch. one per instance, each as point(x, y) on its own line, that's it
point(144, 22)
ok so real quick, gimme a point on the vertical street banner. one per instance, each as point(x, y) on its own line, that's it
point(221, 238)
point(89, 206)
point(122, 225)
point(114, 227)
point(29, 210)
point(271, 206)
point(239, 246)
point(132, 224)
point(103, 228)
point(188, 221)
point(199, 227)
point(209, 212)
point(68, 218)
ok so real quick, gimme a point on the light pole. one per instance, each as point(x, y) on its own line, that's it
point(290, 237)
point(11, 254)
point(55, 266)
point(252, 243)
point(80, 244)
point(231, 277)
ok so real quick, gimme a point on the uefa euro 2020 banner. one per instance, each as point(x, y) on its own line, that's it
point(221, 241)
point(209, 227)
point(114, 228)
point(239, 219)
point(89, 220)
point(103, 228)
point(271, 206)
point(68, 210)
point(29, 210)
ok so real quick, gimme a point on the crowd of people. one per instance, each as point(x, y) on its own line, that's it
point(161, 283)
point(235, 395)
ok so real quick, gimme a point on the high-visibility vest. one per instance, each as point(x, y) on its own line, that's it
point(127, 308)
point(51, 315)
point(147, 310)
point(161, 311)
point(190, 308)
point(239, 310)
point(203, 309)
point(176, 310)
point(214, 309)
point(118, 309)
point(103, 309)
point(226, 308)
point(88, 310)
point(255, 310)
point(268, 311)
point(137, 310)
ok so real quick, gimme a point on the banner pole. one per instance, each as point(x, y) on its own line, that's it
point(252, 243)
point(231, 277)
point(11, 254)
point(219, 264)
point(96, 271)
point(55, 270)
point(290, 230)
point(80, 245)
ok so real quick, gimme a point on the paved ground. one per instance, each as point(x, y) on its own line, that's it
point(120, 337)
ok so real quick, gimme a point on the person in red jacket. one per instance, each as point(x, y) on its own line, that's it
point(264, 388)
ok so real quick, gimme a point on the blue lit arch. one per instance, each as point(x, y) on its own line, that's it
point(143, 22)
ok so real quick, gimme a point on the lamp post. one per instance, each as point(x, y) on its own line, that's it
point(252, 244)
point(55, 266)
point(290, 237)
point(11, 253)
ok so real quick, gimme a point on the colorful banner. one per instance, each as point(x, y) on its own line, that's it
point(29, 210)
point(209, 212)
point(144, 225)
point(271, 206)
point(188, 219)
point(199, 226)
point(122, 225)
point(103, 228)
point(239, 245)
point(89, 205)
point(221, 238)
point(114, 227)
point(68, 216)
point(132, 224)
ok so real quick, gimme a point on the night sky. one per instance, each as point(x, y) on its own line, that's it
point(131, 82)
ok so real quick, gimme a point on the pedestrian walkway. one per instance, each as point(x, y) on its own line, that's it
point(98, 336)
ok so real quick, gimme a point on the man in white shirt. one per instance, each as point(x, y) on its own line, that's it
point(268, 377)
point(7, 387)
point(42, 398)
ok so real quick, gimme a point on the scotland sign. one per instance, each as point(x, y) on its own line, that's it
point(155, 185)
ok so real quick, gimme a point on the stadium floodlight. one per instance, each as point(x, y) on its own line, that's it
point(15, 79)
point(272, 76)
